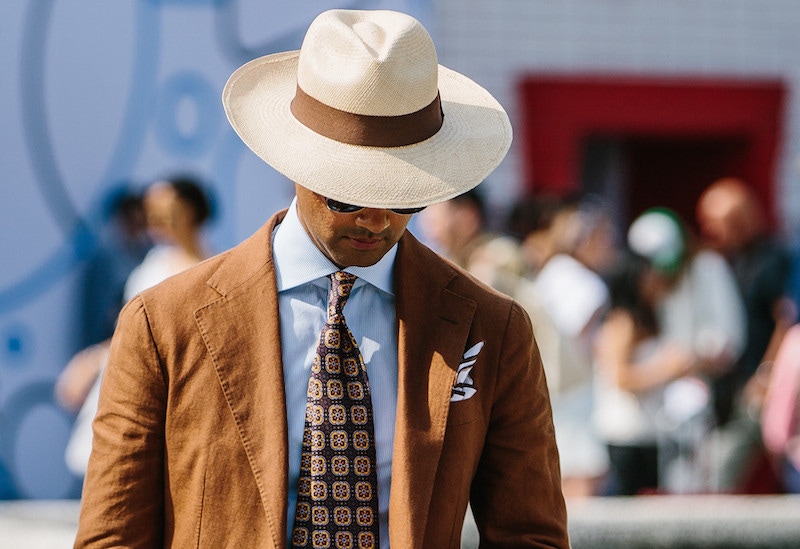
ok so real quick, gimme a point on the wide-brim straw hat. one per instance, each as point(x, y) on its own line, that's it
point(364, 114)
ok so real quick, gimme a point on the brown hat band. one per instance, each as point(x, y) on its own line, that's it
point(367, 130)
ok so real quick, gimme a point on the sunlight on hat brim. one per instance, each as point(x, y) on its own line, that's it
point(473, 140)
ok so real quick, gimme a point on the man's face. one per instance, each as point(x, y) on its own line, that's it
point(359, 239)
point(722, 220)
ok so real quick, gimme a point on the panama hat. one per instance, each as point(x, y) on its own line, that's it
point(364, 114)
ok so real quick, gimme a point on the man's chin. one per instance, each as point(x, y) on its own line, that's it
point(359, 259)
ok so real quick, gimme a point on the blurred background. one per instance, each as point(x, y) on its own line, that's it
point(625, 104)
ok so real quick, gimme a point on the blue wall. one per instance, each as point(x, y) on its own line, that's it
point(94, 92)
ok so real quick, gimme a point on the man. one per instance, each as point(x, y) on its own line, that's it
point(210, 428)
point(569, 289)
point(732, 221)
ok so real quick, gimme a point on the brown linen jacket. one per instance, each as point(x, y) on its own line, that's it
point(190, 438)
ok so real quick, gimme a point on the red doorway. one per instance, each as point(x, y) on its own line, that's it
point(648, 142)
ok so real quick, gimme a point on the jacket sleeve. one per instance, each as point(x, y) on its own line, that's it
point(123, 495)
point(516, 493)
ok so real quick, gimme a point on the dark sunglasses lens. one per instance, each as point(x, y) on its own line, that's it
point(407, 211)
point(341, 207)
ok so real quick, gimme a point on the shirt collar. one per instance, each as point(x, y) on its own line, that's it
point(298, 260)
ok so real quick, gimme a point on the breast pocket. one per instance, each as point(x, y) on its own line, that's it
point(464, 411)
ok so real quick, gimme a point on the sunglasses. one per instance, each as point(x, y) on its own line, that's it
point(342, 207)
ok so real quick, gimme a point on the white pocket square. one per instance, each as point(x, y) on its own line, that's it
point(464, 386)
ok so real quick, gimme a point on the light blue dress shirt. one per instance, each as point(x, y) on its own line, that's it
point(302, 271)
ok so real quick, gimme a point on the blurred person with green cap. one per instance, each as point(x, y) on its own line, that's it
point(701, 312)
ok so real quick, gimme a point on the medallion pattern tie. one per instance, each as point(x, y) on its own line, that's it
point(337, 503)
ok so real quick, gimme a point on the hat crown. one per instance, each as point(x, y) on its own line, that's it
point(377, 63)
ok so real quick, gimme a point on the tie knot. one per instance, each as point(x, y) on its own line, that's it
point(341, 285)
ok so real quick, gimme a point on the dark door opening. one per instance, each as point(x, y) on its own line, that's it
point(634, 173)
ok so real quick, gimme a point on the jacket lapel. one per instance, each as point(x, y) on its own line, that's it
point(433, 325)
point(242, 333)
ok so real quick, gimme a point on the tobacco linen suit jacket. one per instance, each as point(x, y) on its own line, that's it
point(190, 437)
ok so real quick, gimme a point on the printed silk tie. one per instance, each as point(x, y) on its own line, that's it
point(337, 502)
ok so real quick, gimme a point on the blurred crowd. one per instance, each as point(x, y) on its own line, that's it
point(671, 346)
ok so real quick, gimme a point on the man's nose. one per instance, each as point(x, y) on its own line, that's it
point(373, 219)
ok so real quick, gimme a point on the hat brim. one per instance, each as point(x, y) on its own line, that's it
point(475, 137)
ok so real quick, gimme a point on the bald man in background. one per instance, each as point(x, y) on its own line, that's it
point(731, 219)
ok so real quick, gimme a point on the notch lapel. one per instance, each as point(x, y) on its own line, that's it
point(433, 327)
point(242, 333)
